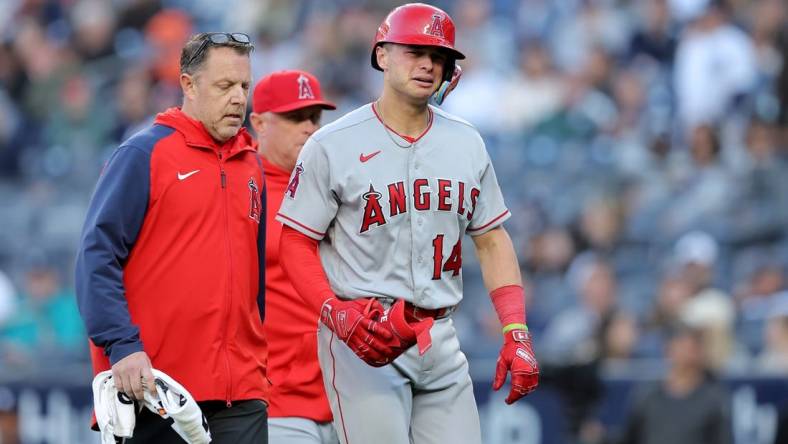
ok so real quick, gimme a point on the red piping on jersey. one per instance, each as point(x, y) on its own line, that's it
point(490, 222)
point(300, 224)
point(334, 385)
point(408, 138)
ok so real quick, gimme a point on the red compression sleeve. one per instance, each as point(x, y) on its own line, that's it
point(300, 260)
point(509, 302)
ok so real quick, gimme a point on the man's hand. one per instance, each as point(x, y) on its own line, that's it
point(406, 332)
point(356, 324)
point(132, 375)
point(517, 356)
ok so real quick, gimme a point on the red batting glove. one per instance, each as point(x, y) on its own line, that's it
point(406, 332)
point(355, 323)
point(517, 357)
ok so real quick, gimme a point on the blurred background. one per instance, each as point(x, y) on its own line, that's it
point(641, 145)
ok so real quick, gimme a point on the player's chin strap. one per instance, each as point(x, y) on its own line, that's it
point(447, 86)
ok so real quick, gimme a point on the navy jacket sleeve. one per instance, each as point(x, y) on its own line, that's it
point(261, 254)
point(114, 220)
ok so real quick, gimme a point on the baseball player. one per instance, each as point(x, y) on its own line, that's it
point(375, 214)
point(287, 106)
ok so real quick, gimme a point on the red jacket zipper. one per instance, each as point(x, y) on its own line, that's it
point(229, 300)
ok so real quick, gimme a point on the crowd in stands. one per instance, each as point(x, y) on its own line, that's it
point(642, 147)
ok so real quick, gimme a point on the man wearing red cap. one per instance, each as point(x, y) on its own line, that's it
point(375, 213)
point(286, 110)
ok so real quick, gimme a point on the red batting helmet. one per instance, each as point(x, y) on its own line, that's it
point(418, 24)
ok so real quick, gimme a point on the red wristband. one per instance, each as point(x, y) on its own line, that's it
point(509, 303)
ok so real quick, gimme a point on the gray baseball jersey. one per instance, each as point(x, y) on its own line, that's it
point(392, 211)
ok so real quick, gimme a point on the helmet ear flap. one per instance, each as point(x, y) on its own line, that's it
point(448, 69)
point(374, 59)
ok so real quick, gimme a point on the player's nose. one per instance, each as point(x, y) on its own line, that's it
point(425, 63)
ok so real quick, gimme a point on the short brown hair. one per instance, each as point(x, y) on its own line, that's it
point(195, 51)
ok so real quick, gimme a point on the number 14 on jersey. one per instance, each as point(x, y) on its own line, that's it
point(453, 264)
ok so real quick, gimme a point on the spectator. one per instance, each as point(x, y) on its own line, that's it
point(703, 193)
point(485, 37)
point(761, 290)
point(710, 309)
point(94, 29)
point(592, 26)
point(574, 335)
point(133, 99)
point(672, 295)
point(688, 406)
point(580, 338)
point(535, 91)
point(656, 37)
point(774, 357)
point(715, 63)
point(599, 225)
point(47, 319)
point(767, 20)
point(761, 198)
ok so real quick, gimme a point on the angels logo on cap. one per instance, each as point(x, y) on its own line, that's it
point(285, 91)
point(304, 89)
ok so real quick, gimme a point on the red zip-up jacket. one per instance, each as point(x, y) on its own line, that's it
point(290, 326)
point(171, 259)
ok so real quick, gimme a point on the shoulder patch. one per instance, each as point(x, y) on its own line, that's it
point(292, 187)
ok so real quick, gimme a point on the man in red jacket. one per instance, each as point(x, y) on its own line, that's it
point(169, 271)
point(287, 106)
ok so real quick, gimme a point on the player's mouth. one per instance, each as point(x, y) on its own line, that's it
point(424, 81)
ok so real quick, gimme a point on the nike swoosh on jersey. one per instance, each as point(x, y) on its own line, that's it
point(364, 158)
point(184, 176)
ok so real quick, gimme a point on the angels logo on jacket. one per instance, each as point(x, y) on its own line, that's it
point(304, 89)
point(292, 187)
point(254, 200)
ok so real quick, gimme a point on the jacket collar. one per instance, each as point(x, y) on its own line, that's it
point(197, 136)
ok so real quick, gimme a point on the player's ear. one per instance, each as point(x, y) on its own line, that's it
point(381, 54)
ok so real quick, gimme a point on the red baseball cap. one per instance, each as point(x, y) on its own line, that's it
point(285, 91)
